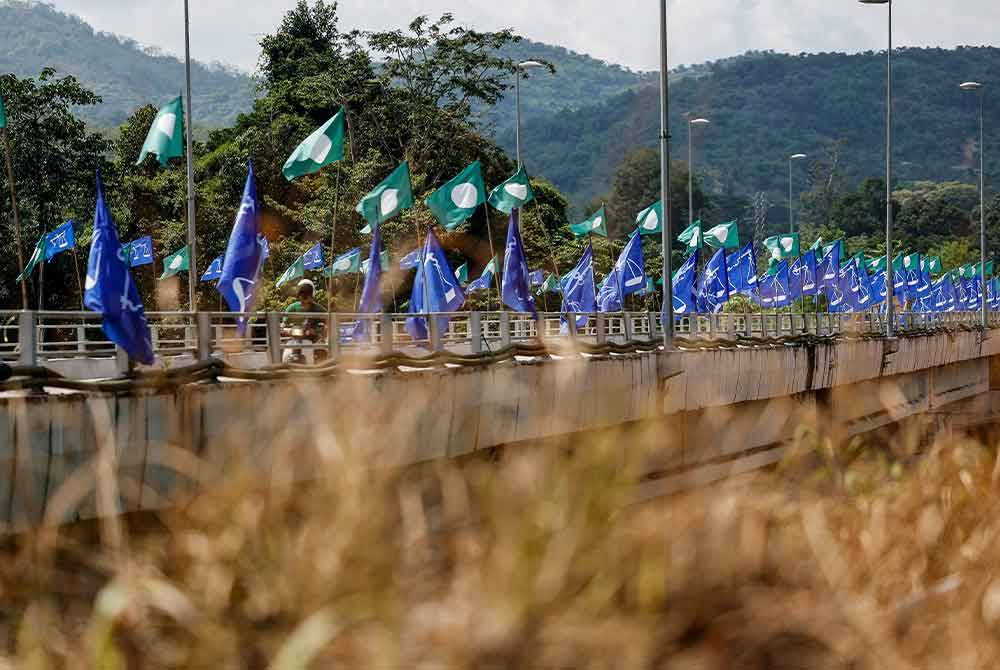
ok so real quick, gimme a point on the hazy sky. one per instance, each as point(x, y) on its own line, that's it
point(622, 31)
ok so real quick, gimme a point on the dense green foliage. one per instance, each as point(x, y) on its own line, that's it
point(35, 36)
point(765, 106)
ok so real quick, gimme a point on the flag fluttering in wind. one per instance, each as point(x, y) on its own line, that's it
point(383, 261)
point(214, 270)
point(550, 285)
point(802, 279)
point(140, 251)
point(650, 220)
point(443, 291)
point(37, 256)
point(485, 280)
point(513, 194)
point(462, 273)
point(713, 292)
point(296, 270)
point(596, 224)
point(685, 301)
point(371, 294)
point(536, 278)
point(245, 254)
point(627, 277)
point(933, 264)
point(772, 287)
point(166, 136)
point(179, 261)
point(59, 240)
point(741, 270)
point(410, 260)
point(313, 259)
point(579, 293)
point(388, 199)
point(110, 291)
point(783, 246)
point(723, 236)
point(516, 289)
point(3, 114)
point(828, 272)
point(457, 200)
point(348, 263)
point(692, 237)
point(323, 147)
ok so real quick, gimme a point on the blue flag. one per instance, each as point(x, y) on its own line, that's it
point(140, 251)
point(828, 273)
point(878, 288)
point(714, 289)
point(536, 278)
point(685, 301)
point(59, 240)
point(627, 277)
point(802, 281)
point(313, 259)
point(516, 288)
point(371, 294)
point(579, 293)
point(214, 270)
point(483, 283)
point(443, 289)
point(411, 260)
point(861, 291)
point(245, 255)
point(110, 290)
point(772, 287)
point(741, 270)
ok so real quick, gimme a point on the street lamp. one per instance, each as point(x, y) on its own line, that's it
point(978, 88)
point(691, 125)
point(666, 234)
point(526, 65)
point(791, 219)
point(890, 302)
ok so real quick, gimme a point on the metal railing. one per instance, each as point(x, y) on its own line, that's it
point(37, 338)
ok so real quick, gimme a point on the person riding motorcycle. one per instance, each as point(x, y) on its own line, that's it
point(302, 331)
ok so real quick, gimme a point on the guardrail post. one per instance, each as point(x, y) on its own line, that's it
point(504, 330)
point(602, 328)
point(476, 332)
point(81, 338)
point(651, 318)
point(274, 337)
point(204, 321)
point(571, 325)
point(27, 333)
point(333, 336)
point(386, 336)
point(627, 326)
point(122, 362)
point(434, 332)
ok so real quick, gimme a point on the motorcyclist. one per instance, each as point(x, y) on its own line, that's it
point(303, 330)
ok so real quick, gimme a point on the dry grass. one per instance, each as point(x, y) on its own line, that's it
point(855, 556)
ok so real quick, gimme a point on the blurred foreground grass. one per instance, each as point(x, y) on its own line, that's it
point(879, 553)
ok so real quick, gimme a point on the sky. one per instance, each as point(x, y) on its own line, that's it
point(623, 31)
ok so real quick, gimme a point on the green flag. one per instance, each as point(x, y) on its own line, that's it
point(597, 224)
point(692, 237)
point(650, 220)
point(324, 146)
point(295, 271)
point(3, 114)
point(347, 264)
point(387, 199)
point(491, 267)
point(551, 284)
point(875, 265)
point(842, 255)
point(783, 246)
point(514, 193)
point(977, 269)
point(166, 136)
point(817, 245)
point(176, 262)
point(933, 264)
point(462, 273)
point(383, 261)
point(457, 200)
point(723, 236)
point(37, 256)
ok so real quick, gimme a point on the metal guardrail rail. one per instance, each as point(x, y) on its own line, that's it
point(30, 338)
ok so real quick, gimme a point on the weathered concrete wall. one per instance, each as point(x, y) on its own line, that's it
point(698, 407)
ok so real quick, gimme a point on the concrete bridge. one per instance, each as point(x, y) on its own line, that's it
point(711, 408)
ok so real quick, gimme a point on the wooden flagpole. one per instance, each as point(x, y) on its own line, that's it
point(493, 251)
point(79, 281)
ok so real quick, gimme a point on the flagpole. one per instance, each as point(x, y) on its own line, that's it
point(493, 251)
point(666, 236)
point(17, 216)
point(41, 281)
point(189, 128)
point(79, 281)
point(333, 253)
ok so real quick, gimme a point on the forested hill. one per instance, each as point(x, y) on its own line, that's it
point(765, 106)
point(34, 36)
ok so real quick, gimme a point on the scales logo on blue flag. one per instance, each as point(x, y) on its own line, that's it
point(59, 240)
point(140, 251)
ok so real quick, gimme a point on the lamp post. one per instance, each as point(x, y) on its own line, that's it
point(791, 211)
point(691, 126)
point(189, 127)
point(978, 88)
point(890, 303)
point(666, 234)
point(526, 65)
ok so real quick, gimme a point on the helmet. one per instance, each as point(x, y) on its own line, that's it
point(305, 283)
